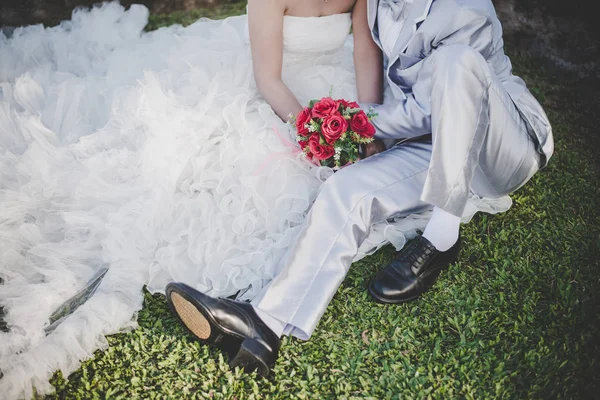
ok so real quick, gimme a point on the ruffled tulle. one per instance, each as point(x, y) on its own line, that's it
point(152, 155)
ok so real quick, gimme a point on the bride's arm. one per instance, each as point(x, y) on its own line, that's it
point(368, 59)
point(265, 24)
point(368, 63)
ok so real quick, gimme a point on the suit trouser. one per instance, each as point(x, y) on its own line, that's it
point(480, 144)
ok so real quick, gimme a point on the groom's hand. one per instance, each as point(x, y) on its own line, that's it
point(374, 147)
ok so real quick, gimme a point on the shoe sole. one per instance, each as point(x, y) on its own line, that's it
point(193, 319)
point(242, 351)
point(382, 300)
point(200, 322)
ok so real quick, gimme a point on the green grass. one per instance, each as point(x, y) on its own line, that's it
point(188, 17)
point(516, 317)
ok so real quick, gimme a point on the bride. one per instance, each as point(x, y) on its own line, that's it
point(132, 158)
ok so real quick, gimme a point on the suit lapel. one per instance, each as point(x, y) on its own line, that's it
point(372, 6)
point(418, 13)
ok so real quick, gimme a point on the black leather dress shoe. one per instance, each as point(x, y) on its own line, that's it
point(232, 326)
point(412, 272)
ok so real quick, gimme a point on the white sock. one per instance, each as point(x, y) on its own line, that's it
point(274, 324)
point(442, 229)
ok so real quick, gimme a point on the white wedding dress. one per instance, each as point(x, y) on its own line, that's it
point(154, 156)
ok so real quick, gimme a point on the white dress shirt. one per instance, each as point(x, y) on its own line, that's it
point(389, 27)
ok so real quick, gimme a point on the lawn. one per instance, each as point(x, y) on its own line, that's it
point(515, 317)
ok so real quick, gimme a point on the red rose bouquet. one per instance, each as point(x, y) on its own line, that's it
point(330, 132)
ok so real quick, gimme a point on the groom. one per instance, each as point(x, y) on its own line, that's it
point(462, 124)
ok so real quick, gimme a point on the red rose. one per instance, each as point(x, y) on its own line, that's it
point(303, 145)
point(324, 108)
point(349, 104)
point(318, 150)
point(333, 127)
point(361, 125)
point(302, 119)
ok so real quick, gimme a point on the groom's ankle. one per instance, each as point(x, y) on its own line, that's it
point(272, 323)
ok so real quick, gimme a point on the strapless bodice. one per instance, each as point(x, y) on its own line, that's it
point(315, 34)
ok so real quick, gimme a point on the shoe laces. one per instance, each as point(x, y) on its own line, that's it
point(414, 254)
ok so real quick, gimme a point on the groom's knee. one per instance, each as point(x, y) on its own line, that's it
point(458, 59)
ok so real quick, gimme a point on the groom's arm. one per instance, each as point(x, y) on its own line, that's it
point(368, 64)
point(474, 26)
point(395, 120)
point(368, 59)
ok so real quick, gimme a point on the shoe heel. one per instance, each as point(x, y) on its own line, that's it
point(251, 356)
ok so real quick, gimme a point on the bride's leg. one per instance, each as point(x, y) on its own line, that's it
point(386, 185)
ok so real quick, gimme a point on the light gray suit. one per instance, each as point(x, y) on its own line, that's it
point(449, 77)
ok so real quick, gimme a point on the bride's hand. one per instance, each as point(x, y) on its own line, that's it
point(374, 147)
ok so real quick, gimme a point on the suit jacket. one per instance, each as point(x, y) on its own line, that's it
point(430, 25)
